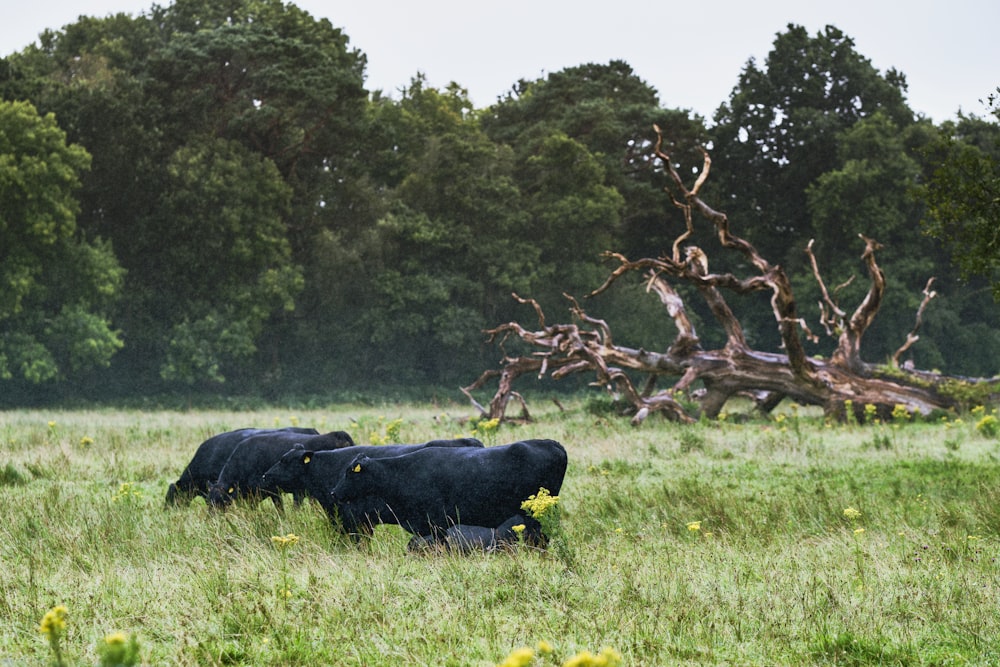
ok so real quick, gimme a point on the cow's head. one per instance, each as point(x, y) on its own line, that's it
point(357, 480)
point(289, 468)
point(220, 496)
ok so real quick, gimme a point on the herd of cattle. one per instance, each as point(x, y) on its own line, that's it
point(455, 493)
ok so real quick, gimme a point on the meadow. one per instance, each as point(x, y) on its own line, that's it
point(781, 541)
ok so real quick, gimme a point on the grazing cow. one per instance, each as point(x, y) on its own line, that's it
point(430, 490)
point(466, 539)
point(316, 473)
point(209, 460)
point(242, 476)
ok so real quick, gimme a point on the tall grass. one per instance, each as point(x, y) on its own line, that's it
point(717, 543)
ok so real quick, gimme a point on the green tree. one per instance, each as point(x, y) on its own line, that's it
point(610, 111)
point(602, 106)
point(581, 139)
point(452, 245)
point(255, 92)
point(871, 193)
point(782, 127)
point(217, 238)
point(56, 287)
point(963, 195)
point(565, 196)
point(263, 73)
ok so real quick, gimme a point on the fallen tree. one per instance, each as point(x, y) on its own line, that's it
point(841, 382)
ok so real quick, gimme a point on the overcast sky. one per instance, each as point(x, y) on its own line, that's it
point(691, 52)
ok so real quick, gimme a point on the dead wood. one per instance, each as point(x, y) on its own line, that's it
point(586, 345)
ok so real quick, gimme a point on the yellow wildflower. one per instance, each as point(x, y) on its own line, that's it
point(115, 639)
point(487, 426)
point(852, 514)
point(611, 657)
point(118, 649)
point(520, 657)
point(858, 531)
point(537, 504)
point(392, 431)
point(86, 441)
point(584, 659)
point(608, 657)
point(545, 648)
point(126, 490)
point(694, 526)
point(519, 528)
point(285, 541)
point(54, 621)
point(988, 426)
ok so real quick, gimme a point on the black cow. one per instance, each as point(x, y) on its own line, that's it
point(211, 457)
point(316, 473)
point(428, 491)
point(466, 539)
point(242, 476)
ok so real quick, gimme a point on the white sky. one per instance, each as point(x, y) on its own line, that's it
point(691, 52)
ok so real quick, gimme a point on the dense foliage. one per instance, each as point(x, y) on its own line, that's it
point(963, 193)
point(251, 219)
point(55, 286)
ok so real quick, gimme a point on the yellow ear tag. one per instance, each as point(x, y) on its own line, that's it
point(307, 459)
point(357, 468)
point(230, 490)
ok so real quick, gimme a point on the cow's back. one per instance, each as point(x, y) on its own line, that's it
point(243, 472)
point(210, 458)
point(316, 473)
point(432, 489)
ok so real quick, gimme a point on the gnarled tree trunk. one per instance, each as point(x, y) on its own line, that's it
point(587, 346)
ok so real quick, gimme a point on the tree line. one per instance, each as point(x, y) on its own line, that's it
point(206, 198)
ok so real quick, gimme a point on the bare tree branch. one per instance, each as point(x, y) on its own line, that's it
point(587, 345)
point(912, 337)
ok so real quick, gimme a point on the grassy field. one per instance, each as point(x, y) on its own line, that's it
point(718, 543)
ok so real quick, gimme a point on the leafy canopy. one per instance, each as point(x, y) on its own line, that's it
point(56, 288)
point(963, 195)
